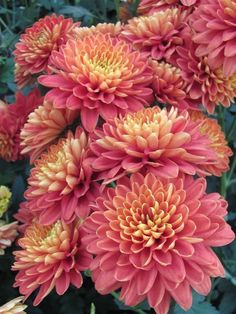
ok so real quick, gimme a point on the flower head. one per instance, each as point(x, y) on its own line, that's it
point(203, 84)
point(152, 238)
point(158, 141)
point(156, 35)
point(50, 256)
point(215, 28)
point(43, 127)
point(24, 216)
point(60, 184)
point(168, 84)
point(8, 233)
point(98, 75)
point(213, 131)
point(5, 197)
point(105, 28)
point(37, 43)
point(14, 306)
point(150, 6)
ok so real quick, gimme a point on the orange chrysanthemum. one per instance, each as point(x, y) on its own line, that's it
point(98, 75)
point(14, 306)
point(158, 141)
point(212, 130)
point(150, 6)
point(50, 256)
point(152, 238)
point(60, 185)
point(8, 233)
point(156, 35)
point(203, 85)
point(168, 84)
point(37, 43)
point(105, 28)
point(43, 127)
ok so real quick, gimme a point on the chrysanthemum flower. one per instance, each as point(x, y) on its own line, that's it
point(150, 6)
point(152, 238)
point(5, 197)
point(24, 216)
point(168, 84)
point(43, 127)
point(105, 28)
point(98, 75)
point(204, 85)
point(158, 141)
point(213, 131)
point(156, 35)
point(14, 306)
point(37, 43)
point(215, 27)
point(60, 184)
point(12, 120)
point(8, 233)
point(50, 256)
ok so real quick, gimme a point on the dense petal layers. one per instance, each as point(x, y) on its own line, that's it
point(204, 85)
point(60, 184)
point(12, 119)
point(152, 238)
point(14, 306)
point(50, 256)
point(156, 35)
point(213, 131)
point(100, 76)
point(160, 141)
point(168, 84)
point(215, 28)
point(150, 6)
point(8, 233)
point(105, 28)
point(43, 127)
point(37, 43)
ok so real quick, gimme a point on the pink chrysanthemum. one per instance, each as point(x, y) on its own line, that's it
point(8, 233)
point(215, 27)
point(168, 84)
point(43, 127)
point(37, 43)
point(158, 141)
point(105, 28)
point(98, 75)
point(150, 6)
point(152, 238)
point(156, 35)
point(204, 85)
point(213, 131)
point(14, 306)
point(24, 216)
point(50, 256)
point(12, 119)
point(60, 185)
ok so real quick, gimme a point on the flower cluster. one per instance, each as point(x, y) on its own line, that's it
point(119, 146)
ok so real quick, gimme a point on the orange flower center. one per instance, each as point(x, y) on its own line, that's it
point(151, 216)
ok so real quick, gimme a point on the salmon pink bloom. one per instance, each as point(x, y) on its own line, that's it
point(152, 239)
point(213, 131)
point(8, 233)
point(12, 119)
point(215, 28)
point(105, 28)
point(168, 84)
point(50, 256)
point(14, 306)
point(24, 216)
point(37, 43)
point(156, 35)
point(43, 127)
point(100, 76)
point(158, 141)
point(150, 6)
point(204, 85)
point(60, 184)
